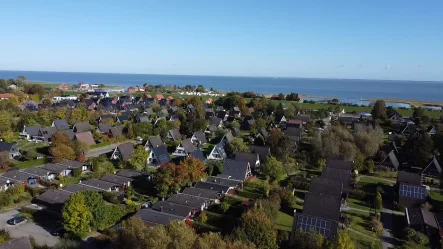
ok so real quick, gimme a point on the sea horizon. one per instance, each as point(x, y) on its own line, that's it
point(341, 88)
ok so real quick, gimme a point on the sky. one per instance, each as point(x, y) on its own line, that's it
point(377, 39)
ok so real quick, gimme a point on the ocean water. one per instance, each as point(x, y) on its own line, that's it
point(339, 88)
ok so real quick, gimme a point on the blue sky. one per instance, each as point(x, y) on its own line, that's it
point(378, 39)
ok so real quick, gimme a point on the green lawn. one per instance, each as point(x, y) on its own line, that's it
point(363, 242)
point(354, 203)
point(436, 195)
point(360, 222)
point(32, 163)
point(284, 222)
point(25, 145)
point(369, 180)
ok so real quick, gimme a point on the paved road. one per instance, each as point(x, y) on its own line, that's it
point(41, 236)
point(100, 151)
point(386, 219)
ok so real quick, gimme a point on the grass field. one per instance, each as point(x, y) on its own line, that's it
point(28, 164)
point(284, 222)
point(360, 222)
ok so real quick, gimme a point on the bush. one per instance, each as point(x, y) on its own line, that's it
point(4, 236)
point(399, 207)
point(34, 192)
point(377, 225)
point(357, 194)
point(224, 207)
point(416, 237)
point(347, 219)
point(111, 197)
point(27, 210)
point(203, 218)
point(76, 172)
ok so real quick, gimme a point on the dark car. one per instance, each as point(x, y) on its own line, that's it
point(16, 220)
point(58, 231)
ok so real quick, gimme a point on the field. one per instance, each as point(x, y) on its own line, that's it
point(284, 222)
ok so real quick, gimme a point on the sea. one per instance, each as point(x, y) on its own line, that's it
point(347, 89)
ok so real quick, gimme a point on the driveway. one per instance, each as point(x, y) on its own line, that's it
point(40, 235)
point(386, 219)
point(100, 151)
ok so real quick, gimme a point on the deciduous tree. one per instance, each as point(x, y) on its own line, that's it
point(139, 158)
point(379, 110)
point(195, 168)
point(76, 215)
point(237, 145)
point(274, 169)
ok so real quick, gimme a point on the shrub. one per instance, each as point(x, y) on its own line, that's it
point(377, 225)
point(203, 218)
point(34, 192)
point(110, 197)
point(357, 194)
point(347, 219)
point(224, 207)
point(76, 172)
point(28, 210)
point(399, 207)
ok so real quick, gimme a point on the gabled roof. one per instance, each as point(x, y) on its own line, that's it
point(69, 133)
point(17, 175)
point(220, 150)
point(229, 137)
point(263, 151)
point(72, 164)
point(187, 200)
point(223, 181)
point(204, 193)
point(53, 167)
point(339, 164)
point(37, 171)
point(116, 131)
point(162, 155)
point(322, 206)
point(155, 217)
point(326, 187)
point(61, 124)
point(149, 111)
point(212, 186)
point(236, 109)
point(85, 137)
point(433, 168)
point(129, 173)
point(236, 169)
point(409, 178)
point(47, 132)
point(126, 150)
point(175, 133)
point(104, 128)
point(33, 130)
point(143, 119)
point(121, 180)
point(390, 160)
point(75, 188)
point(293, 132)
point(264, 133)
point(100, 184)
point(215, 121)
point(155, 141)
point(198, 154)
point(172, 208)
point(304, 117)
point(4, 146)
point(343, 176)
point(249, 157)
point(54, 196)
point(82, 127)
point(20, 243)
point(421, 217)
point(200, 137)
point(187, 145)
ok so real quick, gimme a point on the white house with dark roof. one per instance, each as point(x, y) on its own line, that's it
point(184, 148)
point(123, 152)
point(199, 138)
point(218, 152)
point(174, 135)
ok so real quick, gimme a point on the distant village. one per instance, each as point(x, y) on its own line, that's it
point(220, 162)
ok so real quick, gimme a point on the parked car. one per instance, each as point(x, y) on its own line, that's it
point(17, 220)
point(58, 231)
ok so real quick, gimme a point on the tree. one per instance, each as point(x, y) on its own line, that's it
point(5, 162)
point(379, 110)
point(169, 178)
point(5, 122)
point(237, 145)
point(139, 158)
point(195, 168)
point(308, 240)
point(368, 140)
point(378, 202)
point(421, 148)
point(257, 227)
point(273, 169)
point(76, 215)
point(419, 112)
point(61, 147)
point(36, 89)
point(224, 207)
point(343, 241)
point(143, 130)
point(161, 128)
point(80, 148)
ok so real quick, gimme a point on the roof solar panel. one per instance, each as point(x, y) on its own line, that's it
point(307, 223)
point(413, 192)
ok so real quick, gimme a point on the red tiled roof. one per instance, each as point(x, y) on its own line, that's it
point(6, 95)
point(295, 121)
point(148, 95)
point(170, 98)
point(160, 96)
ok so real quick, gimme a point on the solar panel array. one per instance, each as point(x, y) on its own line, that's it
point(307, 223)
point(412, 191)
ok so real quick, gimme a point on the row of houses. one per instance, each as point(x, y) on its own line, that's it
point(325, 199)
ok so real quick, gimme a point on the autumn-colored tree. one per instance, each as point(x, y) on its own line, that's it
point(61, 147)
point(169, 178)
point(274, 137)
point(5, 162)
point(308, 240)
point(195, 168)
point(80, 148)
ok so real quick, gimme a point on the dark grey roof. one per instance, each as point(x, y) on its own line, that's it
point(229, 137)
point(124, 117)
point(409, 178)
point(249, 157)
point(69, 133)
point(201, 137)
point(33, 130)
point(326, 187)
point(142, 119)
point(54, 196)
point(20, 243)
point(82, 127)
point(116, 131)
point(61, 124)
point(129, 173)
point(339, 164)
point(36, 171)
point(4, 146)
point(107, 116)
point(263, 151)
point(54, 167)
point(104, 128)
point(198, 154)
point(215, 121)
point(187, 145)
point(421, 217)
point(293, 132)
point(204, 193)
point(237, 131)
point(126, 150)
point(303, 117)
point(322, 206)
point(47, 132)
point(212, 186)
point(172, 208)
point(390, 160)
point(175, 133)
point(236, 169)
point(72, 164)
point(188, 200)
point(100, 184)
point(223, 181)
point(219, 148)
point(162, 155)
point(121, 180)
point(17, 175)
point(149, 111)
point(433, 168)
point(75, 188)
point(155, 217)
point(343, 176)
point(156, 141)
point(264, 132)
